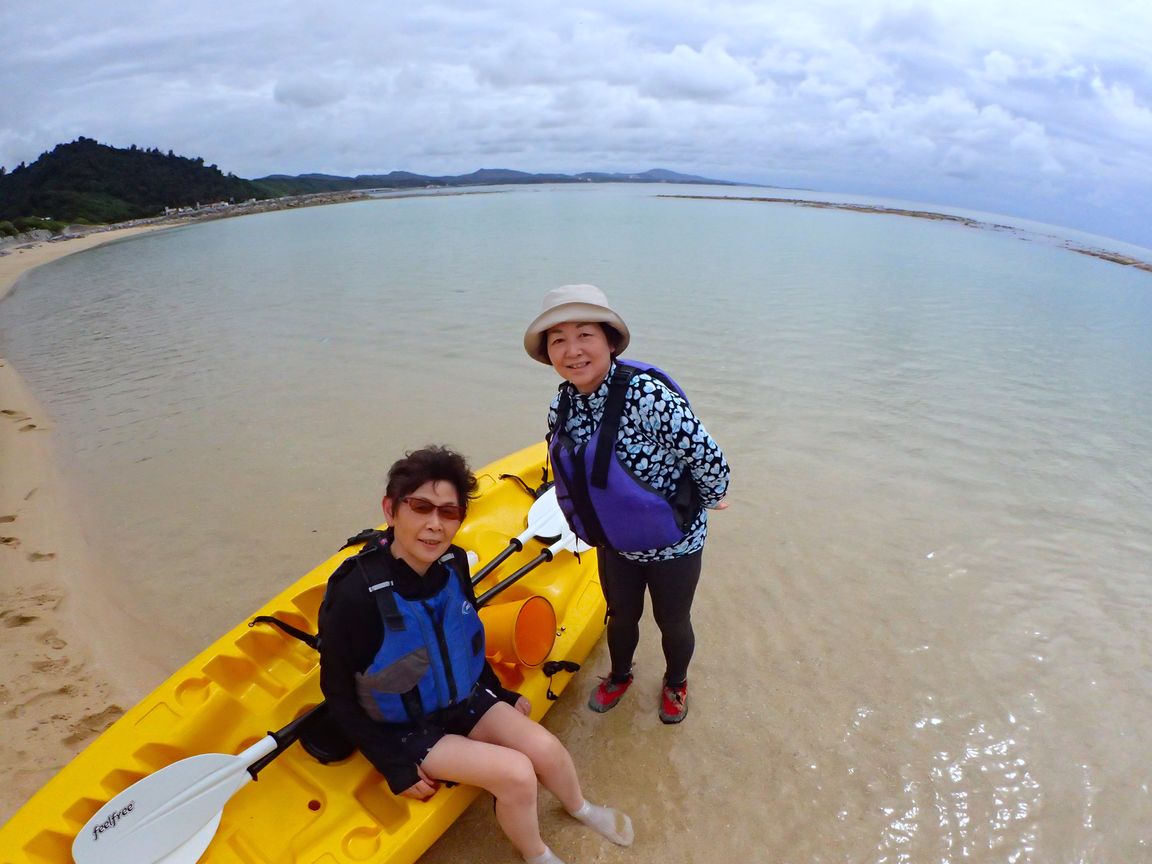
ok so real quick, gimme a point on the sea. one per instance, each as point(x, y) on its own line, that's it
point(923, 624)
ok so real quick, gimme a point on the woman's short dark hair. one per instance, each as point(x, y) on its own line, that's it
point(614, 337)
point(431, 463)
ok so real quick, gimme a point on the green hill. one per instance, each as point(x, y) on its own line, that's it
point(85, 181)
point(89, 182)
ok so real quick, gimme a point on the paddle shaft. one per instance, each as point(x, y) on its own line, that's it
point(514, 545)
point(565, 542)
point(546, 522)
point(284, 738)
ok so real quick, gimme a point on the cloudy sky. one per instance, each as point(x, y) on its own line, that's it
point(1032, 108)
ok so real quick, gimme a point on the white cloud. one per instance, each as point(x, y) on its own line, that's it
point(1127, 110)
point(307, 91)
point(999, 68)
point(707, 74)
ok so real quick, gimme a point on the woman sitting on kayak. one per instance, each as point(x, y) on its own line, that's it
point(402, 666)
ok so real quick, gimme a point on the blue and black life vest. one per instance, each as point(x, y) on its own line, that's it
point(432, 652)
point(604, 502)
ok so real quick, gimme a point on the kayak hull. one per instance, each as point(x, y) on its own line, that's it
point(255, 679)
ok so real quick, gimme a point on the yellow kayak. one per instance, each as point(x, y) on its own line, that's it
point(256, 678)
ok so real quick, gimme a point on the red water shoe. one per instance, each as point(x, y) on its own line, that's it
point(674, 702)
point(608, 692)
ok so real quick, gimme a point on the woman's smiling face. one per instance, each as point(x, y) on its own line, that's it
point(580, 352)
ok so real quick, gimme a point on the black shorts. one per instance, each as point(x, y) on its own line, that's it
point(458, 719)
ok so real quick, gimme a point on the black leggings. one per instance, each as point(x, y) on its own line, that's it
point(672, 585)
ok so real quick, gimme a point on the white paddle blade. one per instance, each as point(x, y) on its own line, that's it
point(546, 522)
point(190, 852)
point(164, 813)
point(545, 518)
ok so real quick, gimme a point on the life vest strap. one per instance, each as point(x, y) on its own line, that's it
point(385, 600)
point(610, 422)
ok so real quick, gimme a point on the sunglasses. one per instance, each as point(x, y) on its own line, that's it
point(422, 506)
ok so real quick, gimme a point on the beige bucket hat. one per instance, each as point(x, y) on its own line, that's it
point(583, 303)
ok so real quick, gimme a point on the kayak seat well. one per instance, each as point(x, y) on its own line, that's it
point(324, 740)
point(270, 650)
point(308, 601)
point(237, 676)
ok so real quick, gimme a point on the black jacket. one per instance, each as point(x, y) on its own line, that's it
point(351, 633)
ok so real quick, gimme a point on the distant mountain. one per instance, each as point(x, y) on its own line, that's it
point(280, 184)
point(85, 181)
point(656, 175)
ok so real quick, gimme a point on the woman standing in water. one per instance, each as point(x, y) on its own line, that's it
point(635, 473)
point(402, 666)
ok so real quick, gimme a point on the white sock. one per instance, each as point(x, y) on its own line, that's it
point(613, 824)
point(545, 857)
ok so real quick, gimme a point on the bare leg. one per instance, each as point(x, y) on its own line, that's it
point(507, 774)
point(505, 726)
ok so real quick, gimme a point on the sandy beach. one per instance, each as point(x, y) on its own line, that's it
point(57, 687)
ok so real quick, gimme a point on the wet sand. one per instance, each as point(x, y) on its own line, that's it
point(62, 682)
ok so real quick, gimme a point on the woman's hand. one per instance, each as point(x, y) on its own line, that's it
point(422, 789)
point(524, 706)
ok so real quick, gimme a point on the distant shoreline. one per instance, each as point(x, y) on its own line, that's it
point(189, 216)
point(319, 199)
point(1113, 257)
point(40, 247)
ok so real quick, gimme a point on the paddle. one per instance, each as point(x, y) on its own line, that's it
point(567, 541)
point(171, 816)
point(545, 521)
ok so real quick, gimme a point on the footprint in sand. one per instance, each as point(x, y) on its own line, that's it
point(93, 724)
point(47, 600)
point(6, 519)
point(101, 720)
point(52, 640)
point(50, 665)
point(28, 428)
point(41, 556)
point(10, 541)
point(16, 619)
point(18, 710)
point(21, 606)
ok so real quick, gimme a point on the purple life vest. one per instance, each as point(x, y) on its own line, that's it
point(604, 502)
